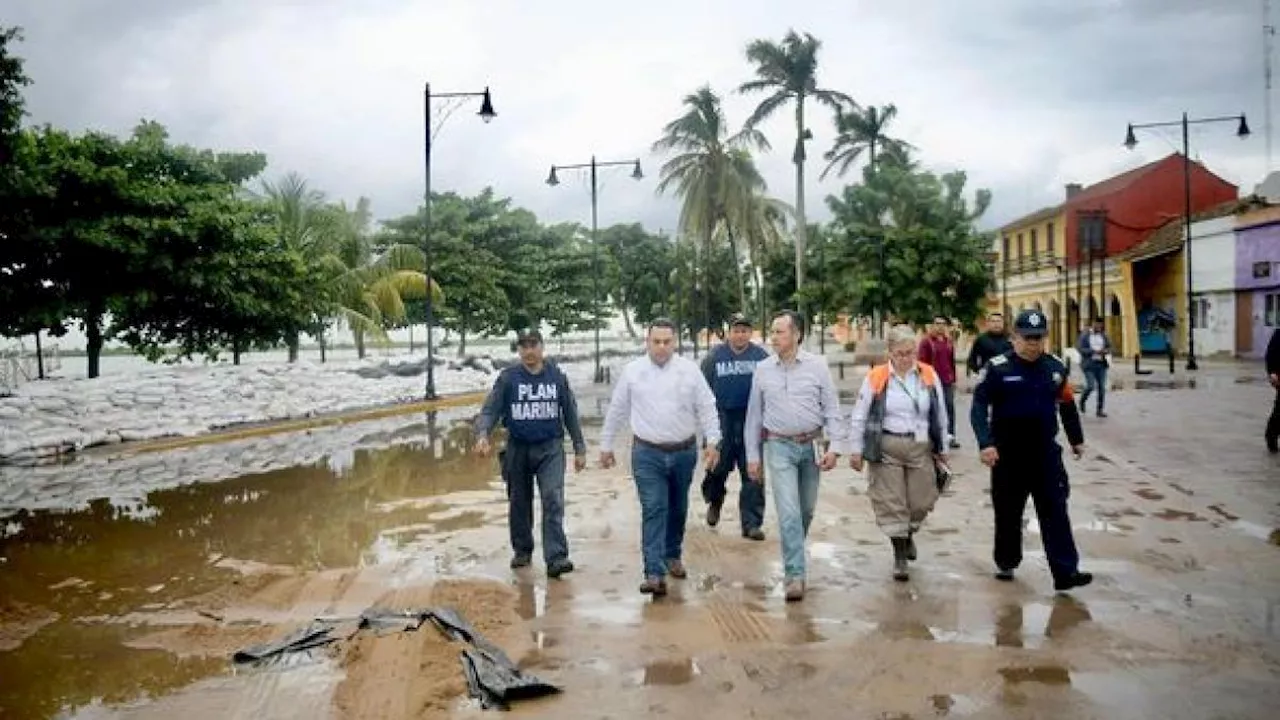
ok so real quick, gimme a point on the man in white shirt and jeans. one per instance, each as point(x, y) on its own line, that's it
point(666, 400)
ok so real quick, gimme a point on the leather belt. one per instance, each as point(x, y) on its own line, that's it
point(689, 444)
point(802, 438)
point(899, 434)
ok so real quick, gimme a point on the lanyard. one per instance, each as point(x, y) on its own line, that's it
point(915, 401)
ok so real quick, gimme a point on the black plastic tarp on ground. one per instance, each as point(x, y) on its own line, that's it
point(492, 678)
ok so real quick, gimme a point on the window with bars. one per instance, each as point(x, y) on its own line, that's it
point(1271, 315)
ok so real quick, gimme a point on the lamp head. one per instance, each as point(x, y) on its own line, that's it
point(486, 107)
point(1242, 132)
point(552, 180)
point(637, 174)
point(1129, 139)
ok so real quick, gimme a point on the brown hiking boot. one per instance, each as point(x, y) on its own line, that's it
point(654, 585)
point(676, 568)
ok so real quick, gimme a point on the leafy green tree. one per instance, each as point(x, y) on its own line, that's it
point(907, 243)
point(787, 72)
point(639, 264)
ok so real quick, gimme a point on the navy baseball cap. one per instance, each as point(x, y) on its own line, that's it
point(1031, 324)
point(528, 335)
point(739, 319)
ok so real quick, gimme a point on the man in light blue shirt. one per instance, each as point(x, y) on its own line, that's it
point(793, 398)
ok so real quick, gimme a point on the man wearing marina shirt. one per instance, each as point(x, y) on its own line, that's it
point(535, 403)
point(728, 369)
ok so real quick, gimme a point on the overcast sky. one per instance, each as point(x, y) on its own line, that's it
point(1023, 99)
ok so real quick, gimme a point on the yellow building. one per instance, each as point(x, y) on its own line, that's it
point(1030, 268)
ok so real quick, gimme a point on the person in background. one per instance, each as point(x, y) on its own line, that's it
point(899, 426)
point(728, 369)
point(1016, 406)
point(937, 351)
point(792, 399)
point(1095, 358)
point(666, 400)
point(993, 342)
point(535, 403)
point(1273, 376)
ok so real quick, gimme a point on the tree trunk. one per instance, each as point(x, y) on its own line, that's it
point(323, 341)
point(93, 341)
point(235, 353)
point(39, 358)
point(292, 342)
point(358, 337)
point(802, 226)
point(626, 320)
point(737, 266)
point(410, 338)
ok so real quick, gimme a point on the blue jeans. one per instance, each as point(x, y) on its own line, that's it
point(792, 470)
point(1095, 377)
point(662, 482)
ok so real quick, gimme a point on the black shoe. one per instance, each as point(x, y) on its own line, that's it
point(520, 560)
point(1101, 414)
point(559, 567)
point(1004, 575)
point(1273, 445)
point(713, 514)
point(900, 559)
point(753, 534)
point(1077, 580)
point(911, 547)
point(955, 444)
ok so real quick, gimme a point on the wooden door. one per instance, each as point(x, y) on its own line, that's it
point(1244, 322)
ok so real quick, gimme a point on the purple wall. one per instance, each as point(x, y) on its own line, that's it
point(1258, 244)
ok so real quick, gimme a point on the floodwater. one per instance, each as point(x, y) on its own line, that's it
point(131, 604)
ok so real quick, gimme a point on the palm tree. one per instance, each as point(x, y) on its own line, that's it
point(857, 130)
point(712, 171)
point(788, 71)
point(302, 225)
point(762, 222)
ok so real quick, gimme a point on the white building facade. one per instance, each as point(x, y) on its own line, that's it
point(1213, 280)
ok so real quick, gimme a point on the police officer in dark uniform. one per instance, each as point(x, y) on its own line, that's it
point(1016, 405)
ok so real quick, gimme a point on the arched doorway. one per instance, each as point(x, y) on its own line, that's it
point(1115, 326)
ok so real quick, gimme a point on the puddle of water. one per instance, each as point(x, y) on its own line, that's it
point(1104, 526)
point(944, 705)
point(109, 560)
point(667, 672)
point(1148, 494)
point(1044, 674)
point(1255, 530)
point(1171, 514)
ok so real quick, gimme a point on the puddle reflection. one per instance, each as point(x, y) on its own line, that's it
point(108, 560)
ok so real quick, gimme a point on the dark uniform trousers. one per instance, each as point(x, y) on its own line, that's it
point(1273, 422)
point(733, 453)
point(1026, 470)
point(521, 463)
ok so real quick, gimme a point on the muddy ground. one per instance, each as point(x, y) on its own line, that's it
point(131, 607)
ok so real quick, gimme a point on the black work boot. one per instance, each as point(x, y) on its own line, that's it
point(911, 546)
point(713, 513)
point(900, 558)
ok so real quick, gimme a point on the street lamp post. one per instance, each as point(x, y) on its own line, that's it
point(1242, 131)
point(553, 180)
point(487, 114)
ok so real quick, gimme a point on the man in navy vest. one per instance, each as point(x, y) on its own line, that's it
point(728, 369)
point(533, 400)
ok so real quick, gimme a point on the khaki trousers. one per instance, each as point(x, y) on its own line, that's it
point(903, 485)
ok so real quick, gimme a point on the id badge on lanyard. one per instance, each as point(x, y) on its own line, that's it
point(922, 428)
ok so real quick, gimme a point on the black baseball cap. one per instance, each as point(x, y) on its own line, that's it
point(528, 334)
point(1031, 324)
point(739, 319)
